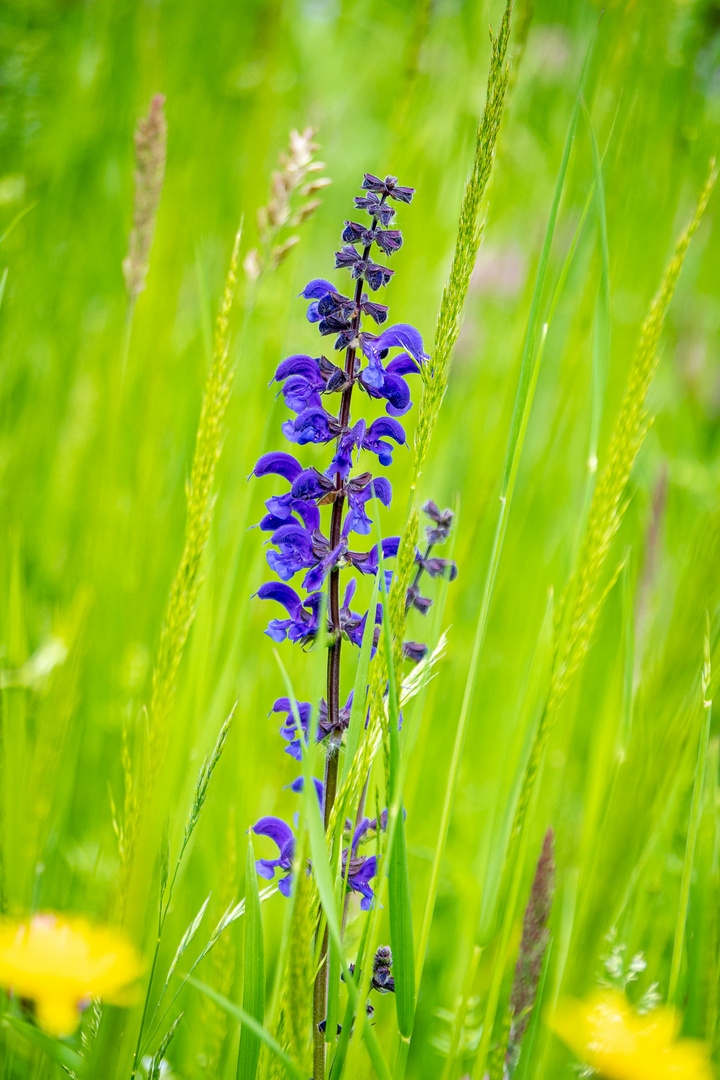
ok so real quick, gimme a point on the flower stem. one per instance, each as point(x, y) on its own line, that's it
point(333, 683)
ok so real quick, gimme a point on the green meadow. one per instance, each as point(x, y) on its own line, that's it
point(581, 654)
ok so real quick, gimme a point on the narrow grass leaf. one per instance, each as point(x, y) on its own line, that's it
point(253, 973)
point(187, 938)
point(695, 808)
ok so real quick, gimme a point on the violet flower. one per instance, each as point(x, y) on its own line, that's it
point(282, 835)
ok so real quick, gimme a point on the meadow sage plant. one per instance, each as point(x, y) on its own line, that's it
point(378, 359)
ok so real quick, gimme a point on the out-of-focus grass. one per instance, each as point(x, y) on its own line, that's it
point(92, 540)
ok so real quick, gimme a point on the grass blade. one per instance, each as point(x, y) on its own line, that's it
point(695, 808)
point(253, 973)
point(187, 938)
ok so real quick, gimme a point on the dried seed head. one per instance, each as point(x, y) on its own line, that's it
point(287, 183)
point(534, 943)
point(150, 155)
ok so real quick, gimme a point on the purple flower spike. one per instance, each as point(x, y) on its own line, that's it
point(282, 835)
point(321, 505)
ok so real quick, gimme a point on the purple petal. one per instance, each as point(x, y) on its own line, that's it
point(278, 830)
point(385, 427)
point(285, 886)
point(349, 592)
point(280, 463)
point(266, 868)
point(299, 786)
point(317, 288)
point(401, 336)
point(284, 595)
point(403, 364)
point(299, 364)
point(366, 872)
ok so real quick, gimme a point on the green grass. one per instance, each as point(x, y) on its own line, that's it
point(96, 447)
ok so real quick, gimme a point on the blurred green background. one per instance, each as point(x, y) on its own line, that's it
point(92, 533)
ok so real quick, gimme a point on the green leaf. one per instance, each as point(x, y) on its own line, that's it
point(250, 1022)
point(401, 934)
point(254, 973)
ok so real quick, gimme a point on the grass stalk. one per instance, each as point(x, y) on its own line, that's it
point(529, 371)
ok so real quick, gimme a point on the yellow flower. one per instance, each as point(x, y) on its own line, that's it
point(60, 964)
point(606, 1033)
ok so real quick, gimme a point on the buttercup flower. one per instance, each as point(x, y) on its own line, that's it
point(605, 1033)
point(61, 963)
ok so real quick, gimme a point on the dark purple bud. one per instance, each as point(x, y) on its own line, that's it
point(334, 324)
point(388, 187)
point(414, 599)
point(443, 519)
point(336, 380)
point(323, 1025)
point(355, 233)
point(375, 207)
point(414, 651)
point(439, 568)
point(375, 275)
point(378, 312)
point(346, 257)
point(382, 979)
point(389, 240)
